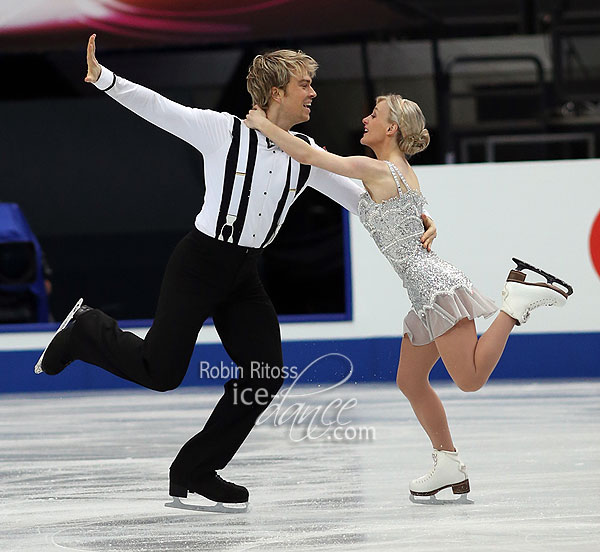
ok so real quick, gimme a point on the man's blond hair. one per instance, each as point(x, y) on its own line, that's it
point(275, 69)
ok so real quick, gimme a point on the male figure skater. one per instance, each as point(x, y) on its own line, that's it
point(250, 186)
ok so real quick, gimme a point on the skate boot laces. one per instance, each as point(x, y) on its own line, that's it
point(429, 475)
point(536, 304)
point(461, 467)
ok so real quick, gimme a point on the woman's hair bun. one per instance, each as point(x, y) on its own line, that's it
point(414, 143)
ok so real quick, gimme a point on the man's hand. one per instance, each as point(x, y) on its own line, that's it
point(430, 232)
point(255, 117)
point(94, 69)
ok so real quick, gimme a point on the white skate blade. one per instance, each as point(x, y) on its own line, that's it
point(433, 501)
point(38, 364)
point(219, 507)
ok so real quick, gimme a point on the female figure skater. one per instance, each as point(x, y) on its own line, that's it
point(444, 301)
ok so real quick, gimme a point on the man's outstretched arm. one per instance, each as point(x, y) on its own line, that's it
point(204, 129)
point(347, 192)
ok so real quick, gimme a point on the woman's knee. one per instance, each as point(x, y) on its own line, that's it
point(469, 384)
point(408, 384)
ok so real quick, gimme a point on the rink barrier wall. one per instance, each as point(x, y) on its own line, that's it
point(545, 213)
point(527, 356)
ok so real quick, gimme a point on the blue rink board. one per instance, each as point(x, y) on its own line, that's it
point(528, 356)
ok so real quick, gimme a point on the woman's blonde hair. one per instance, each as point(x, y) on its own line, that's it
point(276, 69)
point(412, 135)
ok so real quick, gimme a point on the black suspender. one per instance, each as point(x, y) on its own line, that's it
point(238, 225)
point(224, 229)
point(304, 169)
point(230, 224)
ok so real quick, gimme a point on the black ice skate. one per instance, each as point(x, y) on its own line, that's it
point(229, 497)
point(55, 357)
point(519, 297)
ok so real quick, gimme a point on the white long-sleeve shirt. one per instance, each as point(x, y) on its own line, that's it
point(250, 182)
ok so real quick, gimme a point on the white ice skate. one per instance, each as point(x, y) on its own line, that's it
point(448, 471)
point(38, 364)
point(519, 297)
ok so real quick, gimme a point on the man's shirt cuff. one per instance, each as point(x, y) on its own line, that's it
point(105, 80)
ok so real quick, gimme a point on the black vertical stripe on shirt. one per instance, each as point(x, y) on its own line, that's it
point(280, 205)
point(229, 178)
point(302, 177)
point(304, 169)
point(238, 225)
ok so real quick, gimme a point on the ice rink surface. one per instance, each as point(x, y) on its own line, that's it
point(89, 471)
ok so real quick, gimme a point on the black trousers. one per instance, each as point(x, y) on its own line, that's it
point(204, 277)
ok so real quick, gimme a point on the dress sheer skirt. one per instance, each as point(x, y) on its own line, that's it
point(447, 309)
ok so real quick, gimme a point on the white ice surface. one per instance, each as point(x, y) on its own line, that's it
point(89, 471)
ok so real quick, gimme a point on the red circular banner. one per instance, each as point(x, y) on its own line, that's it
point(595, 244)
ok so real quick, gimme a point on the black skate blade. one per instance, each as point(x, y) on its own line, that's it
point(219, 507)
point(550, 278)
point(433, 501)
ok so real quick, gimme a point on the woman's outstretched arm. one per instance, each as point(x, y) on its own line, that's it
point(358, 166)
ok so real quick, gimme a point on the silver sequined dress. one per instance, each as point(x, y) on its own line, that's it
point(440, 293)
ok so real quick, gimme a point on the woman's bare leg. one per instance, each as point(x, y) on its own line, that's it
point(470, 361)
point(413, 380)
